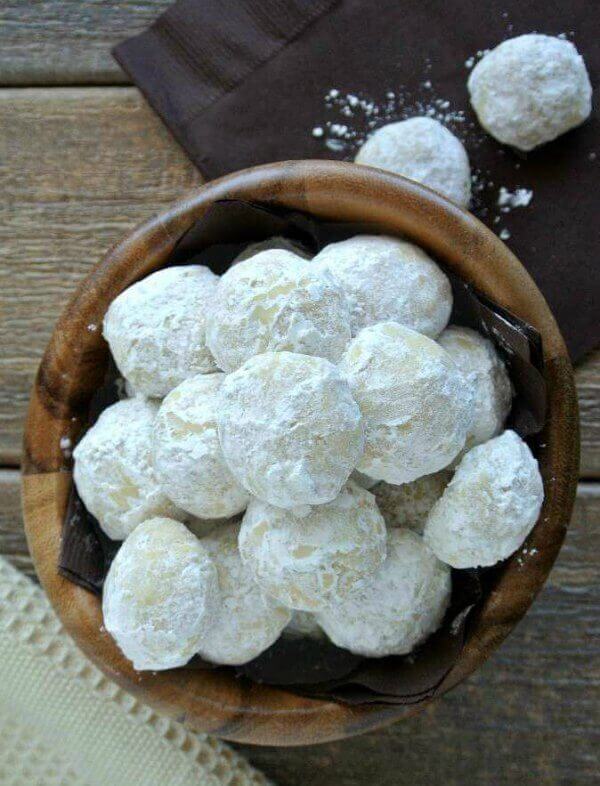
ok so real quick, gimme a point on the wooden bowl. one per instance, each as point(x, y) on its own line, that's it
point(73, 366)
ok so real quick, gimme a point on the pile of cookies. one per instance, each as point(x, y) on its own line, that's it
point(307, 448)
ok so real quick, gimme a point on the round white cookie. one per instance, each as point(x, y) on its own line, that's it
point(160, 595)
point(278, 242)
point(276, 301)
point(408, 505)
point(387, 279)
point(289, 428)
point(489, 507)
point(113, 470)
point(310, 561)
point(530, 89)
point(303, 625)
point(188, 460)
point(483, 368)
point(156, 329)
point(415, 402)
point(397, 607)
point(424, 150)
point(247, 621)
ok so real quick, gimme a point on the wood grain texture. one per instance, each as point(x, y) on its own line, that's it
point(529, 716)
point(587, 378)
point(79, 168)
point(51, 42)
point(12, 536)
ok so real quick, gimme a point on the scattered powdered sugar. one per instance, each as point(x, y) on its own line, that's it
point(65, 446)
point(360, 114)
point(470, 61)
point(352, 116)
point(520, 197)
point(524, 554)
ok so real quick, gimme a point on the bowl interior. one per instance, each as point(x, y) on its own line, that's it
point(73, 367)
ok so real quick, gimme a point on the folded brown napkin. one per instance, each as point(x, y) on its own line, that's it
point(244, 82)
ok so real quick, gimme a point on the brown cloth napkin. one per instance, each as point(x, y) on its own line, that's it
point(244, 82)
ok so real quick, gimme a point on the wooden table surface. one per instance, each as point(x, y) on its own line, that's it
point(82, 159)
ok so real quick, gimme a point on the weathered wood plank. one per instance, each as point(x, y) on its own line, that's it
point(530, 716)
point(12, 536)
point(588, 388)
point(78, 168)
point(68, 41)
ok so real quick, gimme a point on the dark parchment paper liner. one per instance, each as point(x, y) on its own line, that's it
point(317, 667)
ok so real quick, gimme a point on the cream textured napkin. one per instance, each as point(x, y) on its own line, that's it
point(63, 723)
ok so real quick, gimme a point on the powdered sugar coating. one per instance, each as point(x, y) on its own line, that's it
point(247, 621)
point(483, 368)
point(310, 561)
point(424, 150)
point(409, 504)
point(156, 329)
point(303, 625)
point(530, 89)
point(278, 242)
point(188, 460)
point(276, 301)
point(397, 607)
point(387, 279)
point(289, 428)
point(489, 507)
point(160, 594)
point(114, 473)
point(415, 402)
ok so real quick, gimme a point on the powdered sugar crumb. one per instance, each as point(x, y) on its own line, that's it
point(65, 446)
point(364, 114)
point(520, 197)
